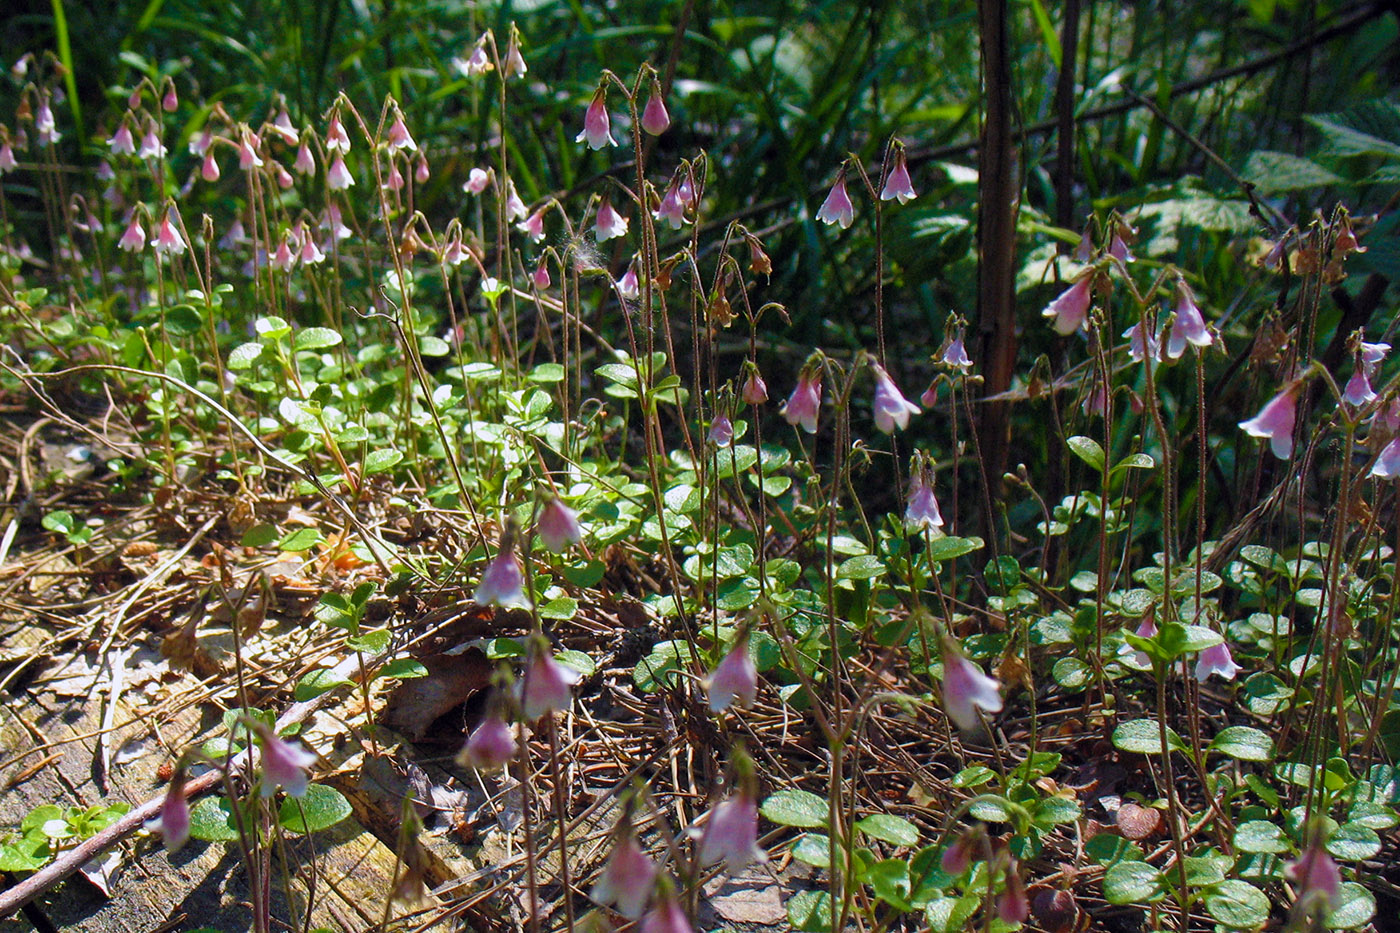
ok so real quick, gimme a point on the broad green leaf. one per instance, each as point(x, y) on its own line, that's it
point(813, 849)
point(316, 338)
point(1259, 836)
point(1088, 450)
point(1274, 172)
point(1353, 842)
point(810, 911)
point(795, 808)
point(211, 819)
point(303, 539)
point(1133, 883)
point(1144, 737)
point(1243, 743)
point(888, 828)
point(316, 683)
point(321, 807)
point(403, 669)
point(378, 461)
point(864, 567)
point(1237, 904)
point(244, 355)
point(369, 642)
point(948, 548)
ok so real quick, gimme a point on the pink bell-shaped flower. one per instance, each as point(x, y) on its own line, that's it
point(628, 286)
point(1275, 421)
point(285, 256)
point(1188, 326)
point(922, 511)
point(897, 185)
point(721, 431)
point(151, 147)
point(672, 208)
point(201, 141)
point(1314, 873)
point(173, 823)
point(755, 390)
point(666, 917)
point(1372, 354)
point(533, 226)
point(168, 239)
point(957, 857)
point(629, 877)
point(731, 834)
point(655, 119)
point(966, 690)
point(1012, 904)
point(547, 685)
point(1069, 310)
point(44, 123)
point(122, 142)
point(558, 526)
point(515, 207)
point(477, 63)
point(1140, 349)
point(1387, 465)
point(490, 745)
point(134, 239)
point(477, 180)
point(248, 158)
point(892, 409)
point(420, 169)
point(596, 125)
point(284, 764)
point(1358, 389)
point(805, 402)
point(305, 162)
point(394, 180)
point(399, 137)
point(337, 140)
point(170, 102)
point(333, 222)
point(1216, 660)
point(338, 177)
point(956, 355)
point(514, 66)
point(837, 208)
point(608, 224)
point(8, 162)
point(209, 169)
point(735, 678)
point(541, 276)
point(282, 128)
point(502, 584)
point(311, 253)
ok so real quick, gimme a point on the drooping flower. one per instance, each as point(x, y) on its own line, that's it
point(1372, 354)
point(209, 170)
point(168, 239)
point(285, 256)
point(533, 226)
point(1012, 904)
point(1140, 349)
point(547, 685)
point(248, 158)
point(731, 834)
point(956, 355)
point(721, 431)
point(170, 102)
point(1118, 247)
point(399, 137)
point(735, 678)
point(151, 146)
point(628, 286)
point(898, 185)
point(515, 207)
point(1147, 628)
point(1188, 326)
point(672, 208)
point(922, 512)
point(966, 689)
point(805, 402)
point(608, 224)
point(1275, 421)
point(44, 123)
point(134, 239)
point(201, 141)
point(8, 162)
point(337, 140)
point(284, 764)
point(655, 119)
point(311, 253)
point(173, 822)
point(514, 66)
point(284, 177)
point(666, 916)
point(755, 390)
point(1358, 390)
point(305, 162)
point(332, 222)
point(1069, 310)
point(558, 526)
point(1387, 465)
point(338, 177)
point(477, 180)
point(1314, 873)
point(1216, 660)
point(281, 127)
point(541, 276)
point(477, 63)
point(490, 745)
point(957, 857)
point(892, 409)
point(502, 584)
point(629, 877)
point(420, 169)
point(596, 125)
point(122, 142)
point(837, 208)
point(394, 180)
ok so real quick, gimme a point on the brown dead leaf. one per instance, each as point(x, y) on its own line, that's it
point(1138, 822)
point(451, 681)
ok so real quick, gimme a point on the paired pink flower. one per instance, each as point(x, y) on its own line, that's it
point(305, 162)
point(672, 207)
point(1216, 660)
point(547, 685)
point(541, 276)
point(655, 119)
point(1140, 349)
point(608, 224)
point(967, 692)
point(922, 512)
point(892, 409)
point(173, 823)
point(1069, 310)
point(515, 207)
point(168, 239)
point(8, 162)
point(248, 158)
point(284, 764)
point(151, 147)
point(1372, 354)
point(282, 128)
point(514, 66)
point(477, 63)
point(837, 208)
point(490, 745)
point(629, 877)
point(721, 431)
point(1188, 325)
point(502, 584)
point(897, 185)
point(805, 402)
point(597, 129)
point(1387, 465)
point(122, 142)
point(533, 226)
point(755, 390)
point(134, 239)
point(735, 678)
point(337, 140)
point(1275, 421)
point(1012, 904)
point(628, 286)
point(731, 834)
point(558, 526)
point(338, 177)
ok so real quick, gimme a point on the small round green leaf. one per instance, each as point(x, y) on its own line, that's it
point(212, 820)
point(1243, 743)
point(810, 911)
point(1259, 836)
point(1353, 842)
point(1237, 904)
point(319, 808)
point(795, 808)
point(888, 828)
point(1133, 883)
point(316, 338)
point(1355, 907)
point(377, 461)
point(1144, 737)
